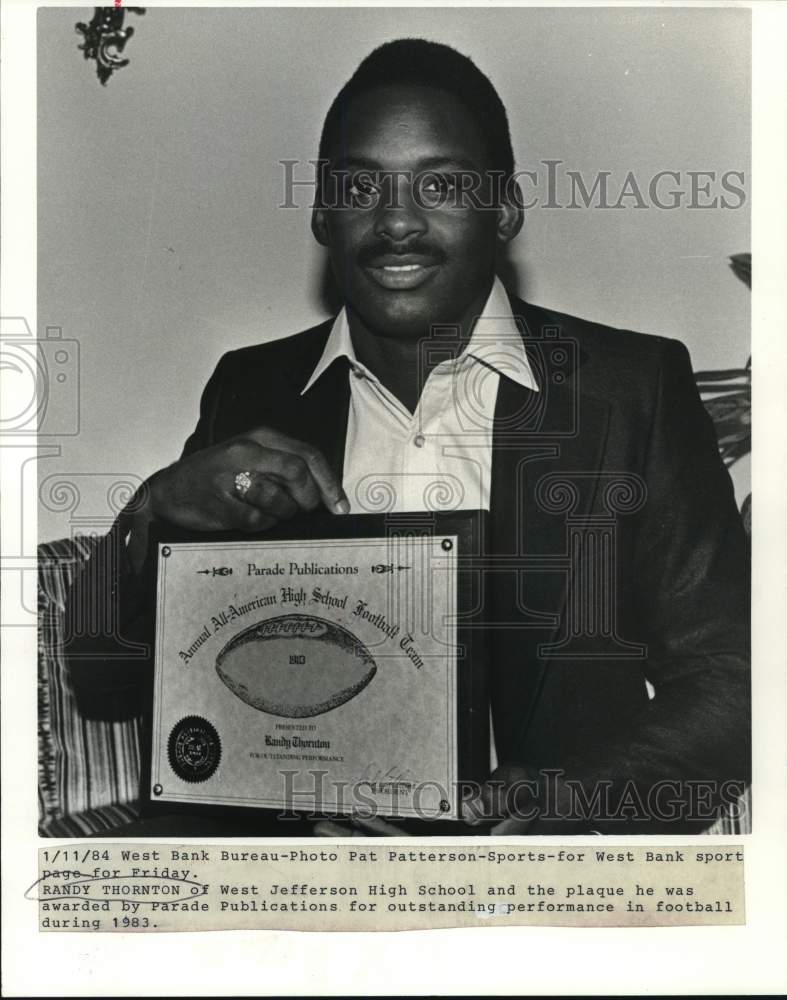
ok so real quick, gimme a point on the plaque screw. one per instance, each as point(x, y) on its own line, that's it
point(157, 789)
point(447, 544)
point(445, 805)
point(166, 551)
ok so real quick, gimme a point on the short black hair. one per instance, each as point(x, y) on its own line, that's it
point(416, 61)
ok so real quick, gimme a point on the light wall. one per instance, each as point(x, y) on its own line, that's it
point(161, 244)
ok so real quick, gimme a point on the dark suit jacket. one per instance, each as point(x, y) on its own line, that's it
point(616, 554)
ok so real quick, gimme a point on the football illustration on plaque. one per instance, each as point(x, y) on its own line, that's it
point(295, 666)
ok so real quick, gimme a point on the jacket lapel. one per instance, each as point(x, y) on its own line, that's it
point(323, 412)
point(320, 414)
point(262, 397)
point(547, 450)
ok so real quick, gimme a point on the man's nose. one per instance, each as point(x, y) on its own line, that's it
point(398, 216)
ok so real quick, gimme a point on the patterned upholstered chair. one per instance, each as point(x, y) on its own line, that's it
point(88, 771)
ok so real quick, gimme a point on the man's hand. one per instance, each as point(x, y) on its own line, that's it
point(519, 800)
point(198, 492)
point(508, 803)
point(288, 476)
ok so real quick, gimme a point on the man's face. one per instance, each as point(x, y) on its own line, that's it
point(406, 248)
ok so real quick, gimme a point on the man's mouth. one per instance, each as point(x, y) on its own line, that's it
point(400, 272)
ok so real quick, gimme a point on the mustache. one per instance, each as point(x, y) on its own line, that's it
point(384, 248)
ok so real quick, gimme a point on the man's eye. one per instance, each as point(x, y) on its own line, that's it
point(438, 184)
point(436, 189)
point(362, 189)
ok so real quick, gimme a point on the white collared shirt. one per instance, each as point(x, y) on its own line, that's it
point(438, 458)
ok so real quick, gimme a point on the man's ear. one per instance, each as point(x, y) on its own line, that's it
point(510, 213)
point(320, 225)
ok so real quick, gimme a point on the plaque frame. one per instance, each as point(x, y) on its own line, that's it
point(472, 664)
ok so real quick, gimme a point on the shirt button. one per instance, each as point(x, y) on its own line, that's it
point(419, 440)
point(357, 373)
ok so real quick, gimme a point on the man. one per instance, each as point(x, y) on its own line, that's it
point(573, 425)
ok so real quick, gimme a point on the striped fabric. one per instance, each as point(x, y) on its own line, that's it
point(88, 771)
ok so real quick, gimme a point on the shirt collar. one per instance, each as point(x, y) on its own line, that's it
point(496, 341)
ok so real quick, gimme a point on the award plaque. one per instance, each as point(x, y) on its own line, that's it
point(331, 668)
